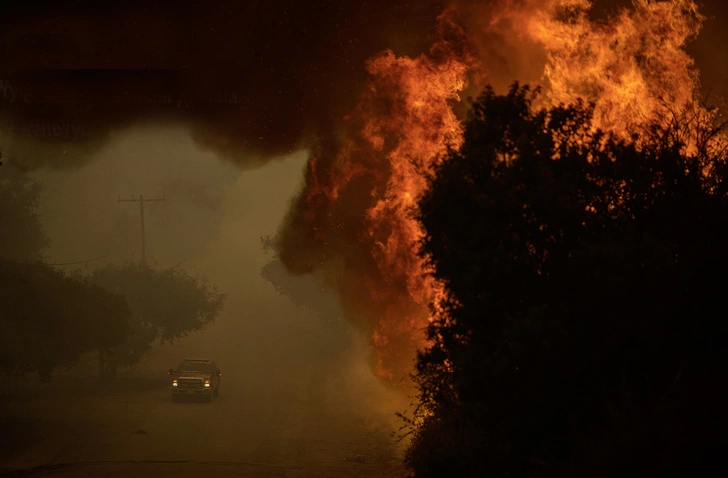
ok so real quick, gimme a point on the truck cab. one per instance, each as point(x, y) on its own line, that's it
point(195, 378)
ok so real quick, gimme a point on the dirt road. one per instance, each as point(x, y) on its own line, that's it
point(303, 414)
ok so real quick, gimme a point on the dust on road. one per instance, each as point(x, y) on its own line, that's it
point(311, 411)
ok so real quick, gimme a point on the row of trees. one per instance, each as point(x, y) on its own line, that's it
point(165, 306)
point(586, 328)
point(51, 319)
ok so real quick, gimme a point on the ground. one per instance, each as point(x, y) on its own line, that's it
point(289, 406)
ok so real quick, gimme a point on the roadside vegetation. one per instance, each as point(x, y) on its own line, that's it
point(585, 333)
point(166, 304)
point(51, 318)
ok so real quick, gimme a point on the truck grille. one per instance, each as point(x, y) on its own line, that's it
point(189, 383)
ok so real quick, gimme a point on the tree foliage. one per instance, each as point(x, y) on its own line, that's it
point(584, 332)
point(50, 320)
point(166, 305)
point(22, 237)
point(47, 319)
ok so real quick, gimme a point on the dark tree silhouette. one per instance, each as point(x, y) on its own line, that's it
point(166, 305)
point(47, 319)
point(585, 332)
point(50, 320)
point(22, 237)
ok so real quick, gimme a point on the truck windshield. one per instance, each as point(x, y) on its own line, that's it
point(195, 367)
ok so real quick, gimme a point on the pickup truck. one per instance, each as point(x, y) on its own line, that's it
point(196, 378)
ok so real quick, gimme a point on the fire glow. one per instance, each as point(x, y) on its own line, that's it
point(361, 192)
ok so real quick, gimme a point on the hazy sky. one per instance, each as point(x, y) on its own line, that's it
point(293, 69)
point(212, 211)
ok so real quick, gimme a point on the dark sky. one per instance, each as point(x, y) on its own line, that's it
point(276, 71)
point(252, 79)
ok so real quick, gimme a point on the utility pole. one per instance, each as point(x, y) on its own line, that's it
point(141, 202)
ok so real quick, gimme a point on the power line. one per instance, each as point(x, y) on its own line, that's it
point(66, 214)
point(27, 172)
point(56, 264)
point(141, 202)
point(69, 197)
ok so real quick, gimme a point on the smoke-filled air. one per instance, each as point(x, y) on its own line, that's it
point(374, 93)
point(361, 192)
point(339, 116)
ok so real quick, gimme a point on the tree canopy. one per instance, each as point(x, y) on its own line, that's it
point(166, 305)
point(22, 237)
point(50, 320)
point(583, 333)
point(47, 319)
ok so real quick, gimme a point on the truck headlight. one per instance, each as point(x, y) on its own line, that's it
point(174, 383)
point(207, 383)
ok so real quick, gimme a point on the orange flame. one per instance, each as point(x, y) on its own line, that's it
point(633, 68)
point(421, 127)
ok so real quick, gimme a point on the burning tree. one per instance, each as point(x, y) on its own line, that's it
point(355, 221)
point(586, 278)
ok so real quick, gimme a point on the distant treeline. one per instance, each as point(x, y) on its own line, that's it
point(50, 319)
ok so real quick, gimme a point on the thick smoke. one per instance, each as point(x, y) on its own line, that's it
point(336, 225)
point(353, 221)
point(252, 80)
point(255, 81)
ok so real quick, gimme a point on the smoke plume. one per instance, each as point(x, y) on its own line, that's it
point(374, 90)
point(252, 80)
